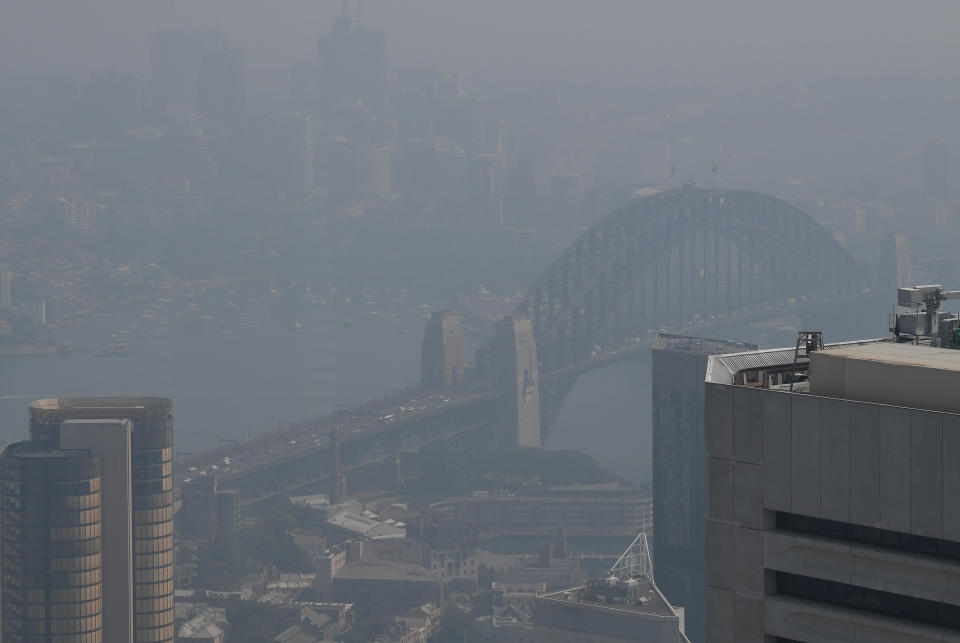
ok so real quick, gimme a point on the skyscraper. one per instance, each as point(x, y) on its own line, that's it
point(353, 62)
point(6, 280)
point(679, 481)
point(91, 424)
point(50, 545)
point(221, 92)
point(176, 61)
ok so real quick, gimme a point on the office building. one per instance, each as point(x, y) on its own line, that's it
point(831, 494)
point(176, 61)
point(353, 63)
point(221, 93)
point(623, 606)
point(679, 480)
point(145, 477)
point(6, 283)
point(50, 545)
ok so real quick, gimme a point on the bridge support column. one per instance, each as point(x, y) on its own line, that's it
point(515, 370)
point(441, 354)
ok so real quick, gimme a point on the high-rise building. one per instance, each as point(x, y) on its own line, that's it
point(50, 545)
point(832, 488)
point(6, 283)
point(221, 93)
point(90, 424)
point(353, 64)
point(679, 481)
point(176, 61)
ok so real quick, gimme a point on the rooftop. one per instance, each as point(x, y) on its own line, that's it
point(366, 526)
point(905, 354)
point(723, 369)
point(54, 409)
point(616, 595)
point(370, 568)
point(699, 345)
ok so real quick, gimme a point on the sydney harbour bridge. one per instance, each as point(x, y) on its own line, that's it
point(686, 258)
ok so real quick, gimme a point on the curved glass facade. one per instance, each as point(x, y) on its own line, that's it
point(152, 487)
point(51, 545)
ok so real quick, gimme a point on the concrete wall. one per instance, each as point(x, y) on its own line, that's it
point(917, 377)
point(110, 439)
point(858, 462)
point(515, 369)
point(441, 355)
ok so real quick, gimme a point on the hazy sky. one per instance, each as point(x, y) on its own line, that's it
point(513, 40)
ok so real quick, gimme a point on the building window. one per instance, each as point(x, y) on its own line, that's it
point(871, 536)
point(872, 601)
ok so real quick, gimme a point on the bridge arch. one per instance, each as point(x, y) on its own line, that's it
point(680, 257)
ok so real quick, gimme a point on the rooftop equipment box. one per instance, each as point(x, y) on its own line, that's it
point(887, 373)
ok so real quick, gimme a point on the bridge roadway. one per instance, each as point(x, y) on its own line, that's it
point(299, 455)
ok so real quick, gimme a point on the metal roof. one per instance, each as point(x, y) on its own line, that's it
point(721, 369)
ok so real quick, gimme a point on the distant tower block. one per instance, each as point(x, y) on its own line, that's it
point(441, 356)
point(337, 492)
point(515, 369)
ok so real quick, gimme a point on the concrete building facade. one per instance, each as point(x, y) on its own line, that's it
point(831, 510)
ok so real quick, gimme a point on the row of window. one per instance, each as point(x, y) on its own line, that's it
point(155, 456)
point(153, 591)
point(153, 545)
point(75, 563)
point(152, 500)
point(77, 594)
point(74, 518)
point(75, 533)
point(886, 604)
point(76, 579)
point(160, 604)
point(76, 610)
point(153, 620)
point(153, 486)
point(17, 564)
point(155, 530)
point(153, 515)
point(76, 625)
point(871, 536)
point(149, 561)
point(157, 635)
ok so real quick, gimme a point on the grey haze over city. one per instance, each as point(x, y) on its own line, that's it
point(315, 223)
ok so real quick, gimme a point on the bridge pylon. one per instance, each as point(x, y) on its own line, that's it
point(441, 354)
point(515, 372)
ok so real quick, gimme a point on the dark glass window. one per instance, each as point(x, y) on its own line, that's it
point(872, 601)
point(869, 536)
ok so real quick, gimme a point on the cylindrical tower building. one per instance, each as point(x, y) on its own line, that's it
point(152, 496)
point(51, 545)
